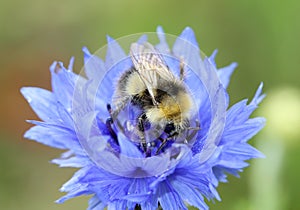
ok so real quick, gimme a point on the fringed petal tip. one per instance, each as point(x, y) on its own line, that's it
point(23, 91)
point(79, 191)
point(259, 154)
point(213, 57)
point(160, 30)
point(86, 51)
point(162, 46)
point(258, 97)
point(109, 39)
point(225, 74)
point(142, 39)
point(189, 35)
point(115, 54)
point(53, 67)
point(58, 66)
point(60, 201)
point(74, 162)
point(71, 63)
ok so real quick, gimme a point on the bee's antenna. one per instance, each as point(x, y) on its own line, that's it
point(182, 69)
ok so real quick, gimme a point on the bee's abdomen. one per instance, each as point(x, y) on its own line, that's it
point(123, 80)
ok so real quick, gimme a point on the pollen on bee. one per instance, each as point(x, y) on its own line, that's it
point(164, 112)
point(170, 110)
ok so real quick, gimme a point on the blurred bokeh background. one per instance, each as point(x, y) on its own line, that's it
point(262, 36)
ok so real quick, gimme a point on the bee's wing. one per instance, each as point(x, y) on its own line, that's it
point(150, 65)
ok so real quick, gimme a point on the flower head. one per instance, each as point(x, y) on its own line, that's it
point(126, 159)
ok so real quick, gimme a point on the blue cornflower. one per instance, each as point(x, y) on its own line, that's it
point(113, 167)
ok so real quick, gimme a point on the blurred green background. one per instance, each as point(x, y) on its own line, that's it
point(262, 36)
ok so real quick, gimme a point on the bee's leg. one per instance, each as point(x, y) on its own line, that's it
point(172, 133)
point(164, 142)
point(195, 130)
point(118, 108)
point(108, 123)
point(141, 127)
point(162, 145)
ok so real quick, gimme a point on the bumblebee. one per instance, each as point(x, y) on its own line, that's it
point(162, 98)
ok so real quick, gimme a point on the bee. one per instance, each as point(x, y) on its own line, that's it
point(150, 86)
